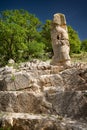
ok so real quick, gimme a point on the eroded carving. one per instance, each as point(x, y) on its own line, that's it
point(60, 41)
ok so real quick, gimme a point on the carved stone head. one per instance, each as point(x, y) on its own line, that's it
point(59, 19)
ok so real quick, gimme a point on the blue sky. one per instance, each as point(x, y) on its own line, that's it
point(74, 10)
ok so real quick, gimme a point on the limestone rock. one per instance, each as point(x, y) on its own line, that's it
point(28, 102)
point(11, 61)
point(74, 79)
point(17, 121)
point(52, 80)
point(58, 97)
point(69, 103)
point(60, 41)
point(59, 19)
point(15, 81)
point(8, 70)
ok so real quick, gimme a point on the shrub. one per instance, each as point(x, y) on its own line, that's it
point(35, 49)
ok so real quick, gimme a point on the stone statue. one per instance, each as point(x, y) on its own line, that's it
point(60, 41)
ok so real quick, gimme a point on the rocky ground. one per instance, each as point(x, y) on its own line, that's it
point(39, 96)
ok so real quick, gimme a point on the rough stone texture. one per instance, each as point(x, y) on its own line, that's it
point(60, 41)
point(52, 80)
point(59, 19)
point(75, 79)
point(11, 61)
point(27, 102)
point(16, 81)
point(37, 80)
point(57, 96)
point(71, 104)
point(17, 121)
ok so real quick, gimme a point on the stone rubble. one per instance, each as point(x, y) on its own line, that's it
point(40, 96)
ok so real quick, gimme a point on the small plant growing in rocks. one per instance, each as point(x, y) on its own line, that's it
point(13, 77)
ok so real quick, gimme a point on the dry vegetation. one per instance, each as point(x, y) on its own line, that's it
point(82, 57)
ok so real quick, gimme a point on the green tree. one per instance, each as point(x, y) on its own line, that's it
point(84, 45)
point(46, 36)
point(12, 38)
point(24, 19)
point(18, 28)
point(36, 49)
point(75, 43)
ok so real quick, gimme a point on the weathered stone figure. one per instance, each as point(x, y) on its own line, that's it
point(60, 41)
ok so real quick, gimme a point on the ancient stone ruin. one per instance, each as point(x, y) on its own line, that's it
point(37, 95)
point(60, 41)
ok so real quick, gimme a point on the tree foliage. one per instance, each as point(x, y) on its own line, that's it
point(23, 36)
point(75, 43)
point(46, 35)
point(84, 45)
point(18, 28)
point(36, 49)
point(12, 38)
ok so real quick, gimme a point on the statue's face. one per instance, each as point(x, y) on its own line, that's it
point(59, 19)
